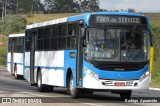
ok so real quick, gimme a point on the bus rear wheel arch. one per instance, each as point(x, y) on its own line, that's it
point(41, 87)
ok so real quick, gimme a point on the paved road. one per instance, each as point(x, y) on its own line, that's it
point(10, 87)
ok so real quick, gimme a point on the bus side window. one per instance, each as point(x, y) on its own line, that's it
point(62, 36)
point(54, 37)
point(47, 38)
point(40, 39)
point(71, 38)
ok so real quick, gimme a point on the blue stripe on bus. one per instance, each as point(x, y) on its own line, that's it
point(117, 75)
point(46, 67)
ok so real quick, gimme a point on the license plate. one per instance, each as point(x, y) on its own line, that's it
point(119, 83)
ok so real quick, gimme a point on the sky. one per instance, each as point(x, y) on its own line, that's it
point(138, 5)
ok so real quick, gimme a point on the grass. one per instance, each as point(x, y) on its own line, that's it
point(153, 17)
point(3, 44)
point(34, 18)
point(155, 81)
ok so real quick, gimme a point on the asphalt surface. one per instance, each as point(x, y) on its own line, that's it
point(20, 91)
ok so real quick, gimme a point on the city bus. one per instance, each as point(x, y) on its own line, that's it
point(101, 51)
point(15, 55)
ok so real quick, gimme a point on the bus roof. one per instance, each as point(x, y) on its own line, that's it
point(85, 17)
point(17, 35)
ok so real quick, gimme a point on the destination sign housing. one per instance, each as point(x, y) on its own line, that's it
point(117, 19)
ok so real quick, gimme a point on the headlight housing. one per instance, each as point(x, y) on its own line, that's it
point(88, 71)
point(145, 75)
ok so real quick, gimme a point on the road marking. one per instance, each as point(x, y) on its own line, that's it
point(92, 104)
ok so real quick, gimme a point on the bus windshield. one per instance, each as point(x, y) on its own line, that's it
point(117, 45)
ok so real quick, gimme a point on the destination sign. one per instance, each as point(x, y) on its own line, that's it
point(111, 19)
point(118, 19)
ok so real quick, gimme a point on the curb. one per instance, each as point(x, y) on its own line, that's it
point(155, 89)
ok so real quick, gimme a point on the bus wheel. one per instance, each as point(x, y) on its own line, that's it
point(72, 90)
point(40, 86)
point(125, 95)
point(15, 72)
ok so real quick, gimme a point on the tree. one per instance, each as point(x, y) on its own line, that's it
point(131, 10)
point(13, 24)
point(4, 7)
point(59, 6)
point(28, 6)
point(89, 5)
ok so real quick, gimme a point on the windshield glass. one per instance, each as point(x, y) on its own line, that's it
point(117, 45)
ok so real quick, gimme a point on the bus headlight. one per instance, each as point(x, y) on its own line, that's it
point(88, 71)
point(145, 75)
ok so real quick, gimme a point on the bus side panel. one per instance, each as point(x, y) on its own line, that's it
point(70, 62)
point(9, 62)
point(18, 59)
point(52, 67)
point(53, 77)
point(27, 66)
point(49, 59)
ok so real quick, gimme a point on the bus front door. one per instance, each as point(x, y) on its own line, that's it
point(79, 58)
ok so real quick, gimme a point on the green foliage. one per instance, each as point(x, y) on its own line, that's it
point(156, 73)
point(68, 6)
point(62, 6)
point(12, 24)
point(90, 5)
point(155, 31)
point(2, 55)
point(48, 6)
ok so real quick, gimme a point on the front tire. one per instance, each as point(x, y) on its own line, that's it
point(74, 92)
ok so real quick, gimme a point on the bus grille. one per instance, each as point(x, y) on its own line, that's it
point(127, 83)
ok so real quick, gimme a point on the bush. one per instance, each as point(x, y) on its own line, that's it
point(2, 55)
point(13, 24)
point(155, 30)
point(30, 16)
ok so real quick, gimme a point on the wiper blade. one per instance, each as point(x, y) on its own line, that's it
point(133, 31)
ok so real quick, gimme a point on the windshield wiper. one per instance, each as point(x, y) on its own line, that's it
point(133, 31)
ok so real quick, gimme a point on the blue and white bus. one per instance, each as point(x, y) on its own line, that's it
point(15, 54)
point(90, 52)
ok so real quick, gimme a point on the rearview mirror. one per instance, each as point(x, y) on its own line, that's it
point(83, 36)
point(82, 33)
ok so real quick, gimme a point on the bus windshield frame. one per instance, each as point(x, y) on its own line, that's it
point(117, 44)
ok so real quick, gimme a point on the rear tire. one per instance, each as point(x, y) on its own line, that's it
point(15, 72)
point(40, 86)
point(125, 95)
